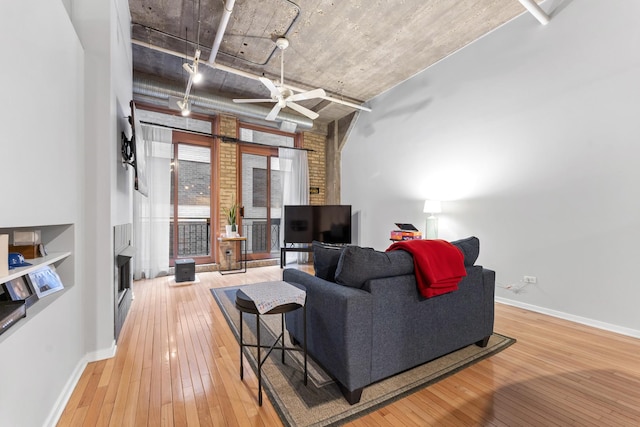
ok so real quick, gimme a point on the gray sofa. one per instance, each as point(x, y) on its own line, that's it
point(367, 321)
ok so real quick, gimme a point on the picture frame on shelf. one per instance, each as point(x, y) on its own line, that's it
point(19, 289)
point(45, 281)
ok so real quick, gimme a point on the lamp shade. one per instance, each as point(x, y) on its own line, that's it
point(432, 206)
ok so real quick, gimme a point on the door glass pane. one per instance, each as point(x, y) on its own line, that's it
point(276, 206)
point(255, 198)
point(192, 173)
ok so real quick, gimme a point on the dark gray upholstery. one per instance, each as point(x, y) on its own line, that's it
point(364, 335)
point(325, 260)
point(470, 248)
point(357, 265)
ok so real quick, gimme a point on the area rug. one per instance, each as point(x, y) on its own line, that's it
point(321, 403)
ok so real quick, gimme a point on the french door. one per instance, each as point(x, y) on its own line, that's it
point(261, 197)
point(191, 201)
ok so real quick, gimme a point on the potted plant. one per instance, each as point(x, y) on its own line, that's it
point(231, 215)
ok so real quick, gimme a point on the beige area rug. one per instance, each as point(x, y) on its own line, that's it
point(321, 403)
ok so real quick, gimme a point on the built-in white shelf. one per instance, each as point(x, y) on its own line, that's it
point(59, 241)
point(36, 263)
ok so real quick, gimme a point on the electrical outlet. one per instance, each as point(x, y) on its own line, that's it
point(530, 279)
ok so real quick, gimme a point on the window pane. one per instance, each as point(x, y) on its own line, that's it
point(250, 135)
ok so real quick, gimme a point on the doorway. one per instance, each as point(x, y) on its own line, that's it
point(191, 202)
point(261, 197)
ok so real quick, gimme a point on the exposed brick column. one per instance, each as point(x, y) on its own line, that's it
point(228, 182)
point(317, 165)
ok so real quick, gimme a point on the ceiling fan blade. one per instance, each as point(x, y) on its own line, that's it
point(241, 101)
point(302, 110)
point(272, 87)
point(316, 93)
point(273, 113)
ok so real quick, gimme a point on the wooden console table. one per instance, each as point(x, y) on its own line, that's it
point(243, 257)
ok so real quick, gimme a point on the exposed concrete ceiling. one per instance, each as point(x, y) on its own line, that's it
point(354, 49)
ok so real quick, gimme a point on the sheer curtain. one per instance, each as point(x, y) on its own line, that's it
point(295, 187)
point(151, 214)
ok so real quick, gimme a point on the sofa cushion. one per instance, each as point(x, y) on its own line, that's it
point(357, 265)
point(325, 260)
point(470, 248)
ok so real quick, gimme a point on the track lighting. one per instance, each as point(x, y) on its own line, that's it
point(194, 75)
point(193, 71)
point(184, 107)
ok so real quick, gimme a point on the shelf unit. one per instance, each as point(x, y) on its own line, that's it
point(59, 243)
point(52, 258)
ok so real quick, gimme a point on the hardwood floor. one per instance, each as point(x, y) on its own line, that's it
point(177, 365)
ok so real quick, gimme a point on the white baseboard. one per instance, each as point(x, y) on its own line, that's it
point(572, 318)
point(72, 382)
point(106, 353)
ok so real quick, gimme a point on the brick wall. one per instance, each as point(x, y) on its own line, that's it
point(317, 165)
point(228, 167)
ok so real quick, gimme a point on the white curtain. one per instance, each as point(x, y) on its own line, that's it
point(295, 187)
point(151, 214)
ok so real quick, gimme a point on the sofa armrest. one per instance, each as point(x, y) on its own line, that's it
point(339, 325)
point(489, 286)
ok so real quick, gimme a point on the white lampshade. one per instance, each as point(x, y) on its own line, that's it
point(432, 206)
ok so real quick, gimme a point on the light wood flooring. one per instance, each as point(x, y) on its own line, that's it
point(177, 365)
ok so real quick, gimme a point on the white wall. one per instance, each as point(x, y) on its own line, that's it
point(60, 164)
point(41, 157)
point(531, 138)
point(103, 28)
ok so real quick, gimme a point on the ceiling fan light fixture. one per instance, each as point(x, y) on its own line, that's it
point(284, 96)
point(282, 43)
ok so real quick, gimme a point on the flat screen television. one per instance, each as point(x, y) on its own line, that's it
point(327, 223)
point(134, 152)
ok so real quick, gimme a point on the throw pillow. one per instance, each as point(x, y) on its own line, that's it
point(357, 265)
point(325, 260)
point(470, 248)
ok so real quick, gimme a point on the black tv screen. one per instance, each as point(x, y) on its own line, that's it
point(327, 223)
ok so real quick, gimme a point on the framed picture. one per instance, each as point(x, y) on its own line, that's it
point(18, 289)
point(45, 281)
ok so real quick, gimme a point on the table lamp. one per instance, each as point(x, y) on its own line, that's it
point(432, 207)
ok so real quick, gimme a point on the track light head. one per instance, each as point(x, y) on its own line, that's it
point(184, 107)
point(187, 68)
point(196, 77)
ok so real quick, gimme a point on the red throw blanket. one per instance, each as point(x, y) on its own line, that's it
point(439, 265)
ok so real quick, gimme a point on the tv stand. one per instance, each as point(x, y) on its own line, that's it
point(284, 249)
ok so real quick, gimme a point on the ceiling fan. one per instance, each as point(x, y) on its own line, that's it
point(283, 96)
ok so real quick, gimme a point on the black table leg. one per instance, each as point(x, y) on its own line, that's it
point(259, 361)
point(241, 347)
